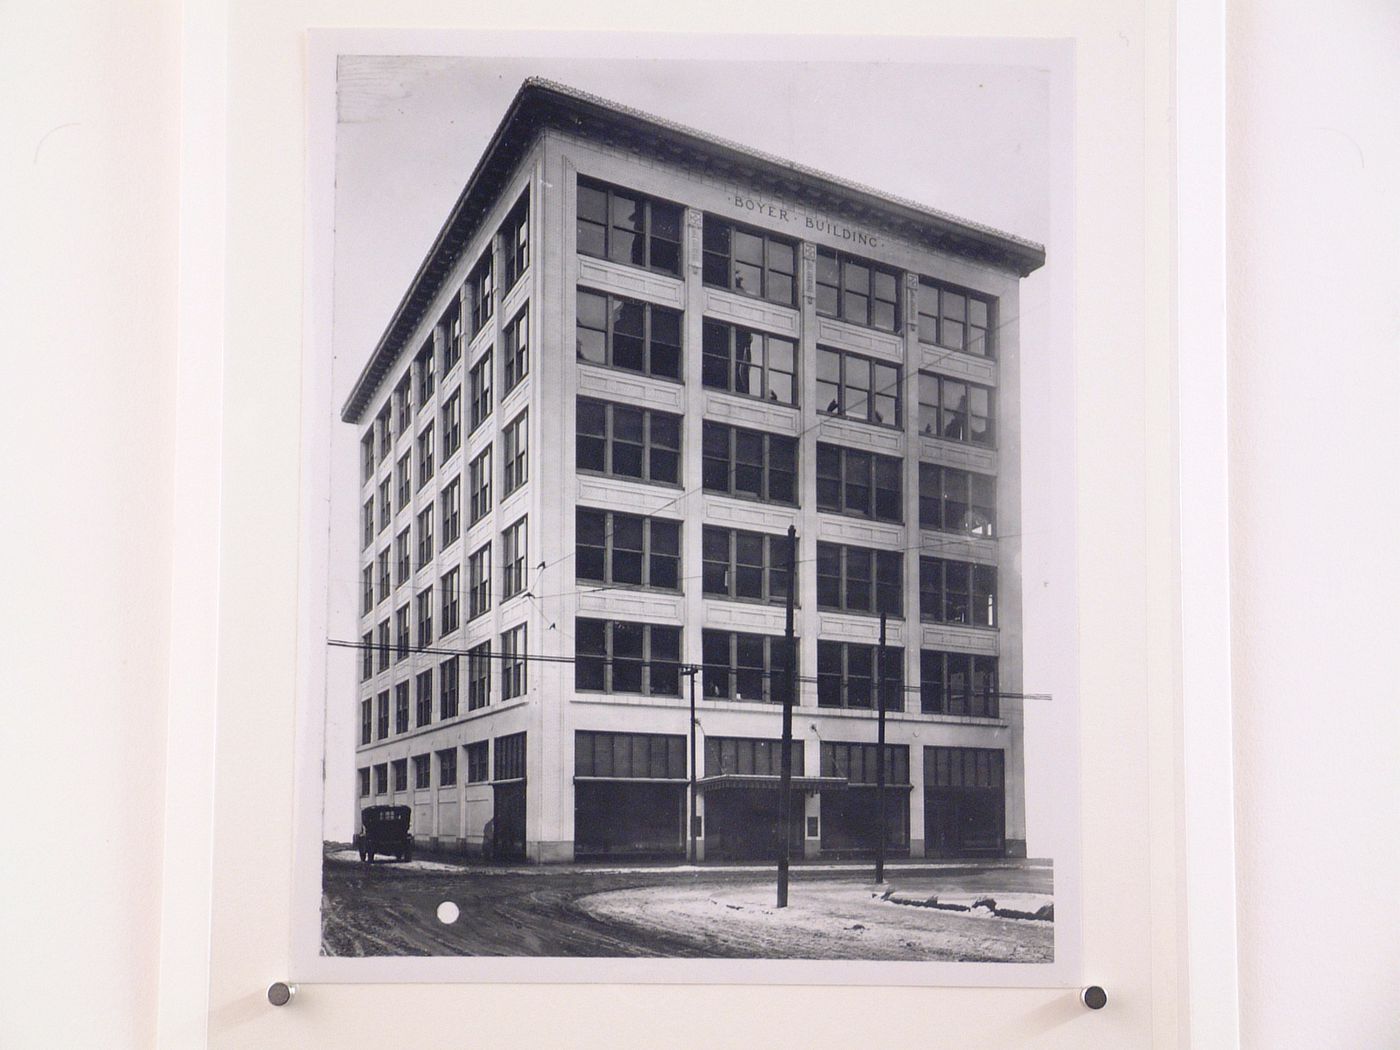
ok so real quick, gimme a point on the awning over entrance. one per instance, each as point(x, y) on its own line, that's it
point(732, 781)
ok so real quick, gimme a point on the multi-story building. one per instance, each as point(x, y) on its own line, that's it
point(635, 356)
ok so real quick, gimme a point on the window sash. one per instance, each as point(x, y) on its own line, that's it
point(606, 659)
point(516, 467)
point(605, 559)
point(479, 474)
point(516, 363)
point(640, 239)
point(847, 672)
point(479, 388)
point(857, 290)
point(658, 359)
point(749, 464)
point(658, 462)
point(743, 666)
point(724, 369)
point(479, 582)
point(513, 679)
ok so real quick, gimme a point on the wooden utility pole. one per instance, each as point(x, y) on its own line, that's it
point(690, 672)
point(880, 755)
point(789, 695)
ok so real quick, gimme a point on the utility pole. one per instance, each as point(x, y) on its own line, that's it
point(690, 672)
point(880, 755)
point(789, 695)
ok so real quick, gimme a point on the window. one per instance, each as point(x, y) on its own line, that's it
point(422, 772)
point(479, 676)
point(384, 646)
point(743, 666)
point(425, 617)
point(628, 334)
point(749, 262)
point(627, 549)
point(479, 582)
point(386, 433)
point(851, 481)
point(452, 424)
point(481, 293)
point(957, 500)
point(749, 363)
point(386, 507)
point(955, 411)
point(381, 715)
point(958, 684)
point(447, 688)
point(364, 782)
point(858, 579)
point(613, 656)
point(403, 405)
point(450, 601)
point(479, 382)
point(451, 325)
point(423, 698)
point(749, 756)
point(513, 680)
point(423, 369)
point(367, 521)
point(478, 762)
point(401, 639)
point(447, 767)
point(449, 509)
point(846, 675)
point(628, 227)
point(367, 588)
point(955, 319)
point(517, 454)
point(513, 560)
point(747, 565)
point(404, 474)
point(425, 455)
point(425, 536)
point(479, 477)
point(515, 350)
point(860, 763)
point(859, 388)
point(367, 455)
point(515, 242)
point(403, 563)
point(629, 756)
point(381, 779)
point(627, 442)
point(366, 721)
point(401, 707)
point(752, 464)
point(857, 290)
point(957, 592)
point(510, 757)
point(367, 656)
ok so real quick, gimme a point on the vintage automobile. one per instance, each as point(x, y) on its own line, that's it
point(385, 830)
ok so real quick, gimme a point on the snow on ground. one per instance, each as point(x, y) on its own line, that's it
point(408, 865)
point(827, 920)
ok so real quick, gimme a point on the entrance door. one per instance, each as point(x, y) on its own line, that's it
point(742, 824)
point(964, 822)
point(508, 837)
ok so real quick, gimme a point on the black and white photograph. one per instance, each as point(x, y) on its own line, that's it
point(698, 519)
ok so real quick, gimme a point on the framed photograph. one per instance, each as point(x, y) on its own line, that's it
point(710, 503)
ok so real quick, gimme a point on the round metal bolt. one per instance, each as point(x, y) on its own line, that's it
point(1094, 997)
point(279, 993)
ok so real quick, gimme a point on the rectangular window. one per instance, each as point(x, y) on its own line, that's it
point(480, 480)
point(515, 243)
point(400, 768)
point(864, 484)
point(478, 762)
point(479, 676)
point(956, 411)
point(401, 707)
point(447, 688)
point(629, 334)
point(846, 675)
point(422, 772)
point(513, 680)
point(403, 405)
point(751, 464)
point(404, 475)
point(381, 715)
point(449, 510)
point(479, 582)
point(623, 441)
point(423, 369)
point(481, 293)
point(743, 666)
point(957, 592)
point(515, 351)
point(957, 500)
point(367, 656)
point(964, 767)
point(381, 779)
point(367, 523)
point(425, 536)
point(452, 424)
point(367, 588)
point(958, 684)
point(479, 384)
point(627, 549)
point(861, 388)
point(384, 645)
point(423, 698)
point(749, 756)
point(860, 763)
point(366, 721)
point(749, 262)
point(615, 656)
point(447, 767)
point(857, 290)
point(858, 579)
point(451, 332)
point(402, 643)
point(751, 566)
point(425, 455)
point(510, 757)
point(451, 581)
point(382, 424)
point(629, 228)
point(367, 455)
point(364, 782)
point(516, 465)
point(953, 318)
point(386, 508)
point(403, 563)
point(750, 363)
point(629, 756)
point(425, 617)
point(513, 560)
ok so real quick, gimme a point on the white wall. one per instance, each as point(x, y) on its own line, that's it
point(1314, 283)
